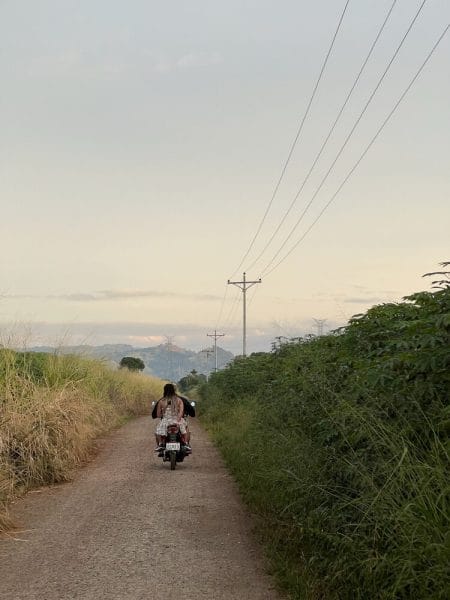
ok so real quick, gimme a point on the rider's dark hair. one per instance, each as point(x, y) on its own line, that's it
point(169, 390)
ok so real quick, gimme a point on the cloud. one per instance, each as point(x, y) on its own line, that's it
point(112, 62)
point(96, 333)
point(362, 289)
point(113, 295)
point(365, 300)
point(75, 297)
point(192, 60)
point(107, 295)
point(195, 60)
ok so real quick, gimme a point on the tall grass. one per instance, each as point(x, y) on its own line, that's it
point(52, 407)
point(340, 445)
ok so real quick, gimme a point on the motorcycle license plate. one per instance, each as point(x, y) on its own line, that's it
point(173, 446)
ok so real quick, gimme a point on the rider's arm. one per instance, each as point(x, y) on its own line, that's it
point(180, 407)
point(159, 409)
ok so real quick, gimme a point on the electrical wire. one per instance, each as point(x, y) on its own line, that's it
point(372, 141)
point(252, 295)
point(294, 143)
point(347, 139)
point(233, 308)
point(221, 307)
point(330, 132)
point(233, 316)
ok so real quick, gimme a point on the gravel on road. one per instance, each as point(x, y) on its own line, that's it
point(129, 528)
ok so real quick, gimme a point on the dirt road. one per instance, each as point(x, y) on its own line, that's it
point(128, 528)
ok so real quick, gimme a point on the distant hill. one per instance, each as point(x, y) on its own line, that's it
point(166, 362)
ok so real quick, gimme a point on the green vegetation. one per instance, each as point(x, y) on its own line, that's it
point(132, 364)
point(190, 381)
point(52, 408)
point(340, 444)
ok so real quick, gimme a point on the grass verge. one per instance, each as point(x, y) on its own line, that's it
point(52, 408)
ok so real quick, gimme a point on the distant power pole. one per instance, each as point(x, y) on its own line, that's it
point(319, 324)
point(207, 352)
point(215, 335)
point(169, 339)
point(244, 286)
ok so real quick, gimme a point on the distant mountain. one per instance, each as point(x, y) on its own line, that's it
point(164, 361)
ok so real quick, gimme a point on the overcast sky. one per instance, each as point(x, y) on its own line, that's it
point(141, 143)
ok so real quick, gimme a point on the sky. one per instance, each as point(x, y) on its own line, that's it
point(141, 143)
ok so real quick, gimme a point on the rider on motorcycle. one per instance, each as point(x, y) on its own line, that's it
point(170, 409)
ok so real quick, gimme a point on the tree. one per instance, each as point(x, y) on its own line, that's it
point(132, 364)
point(191, 380)
point(440, 284)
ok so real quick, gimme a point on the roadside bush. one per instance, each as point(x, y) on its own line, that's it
point(340, 444)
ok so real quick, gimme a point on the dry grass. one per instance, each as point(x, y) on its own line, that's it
point(52, 409)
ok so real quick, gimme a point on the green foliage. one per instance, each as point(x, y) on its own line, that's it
point(340, 444)
point(193, 379)
point(132, 364)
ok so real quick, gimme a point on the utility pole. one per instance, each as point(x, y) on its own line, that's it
point(319, 324)
point(207, 352)
point(215, 335)
point(169, 339)
point(244, 286)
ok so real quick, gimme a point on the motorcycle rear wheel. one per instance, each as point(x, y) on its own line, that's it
point(173, 460)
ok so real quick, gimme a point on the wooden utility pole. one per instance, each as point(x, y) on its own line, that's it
point(215, 335)
point(244, 286)
point(207, 352)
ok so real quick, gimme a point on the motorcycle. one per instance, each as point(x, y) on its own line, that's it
point(174, 450)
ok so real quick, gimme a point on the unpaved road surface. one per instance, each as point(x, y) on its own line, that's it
point(128, 528)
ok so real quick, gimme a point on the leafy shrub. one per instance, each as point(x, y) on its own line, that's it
point(340, 444)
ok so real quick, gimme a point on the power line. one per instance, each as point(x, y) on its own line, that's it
point(252, 296)
point(232, 310)
point(319, 154)
point(222, 306)
point(232, 322)
point(294, 143)
point(372, 141)
point(325, 177)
